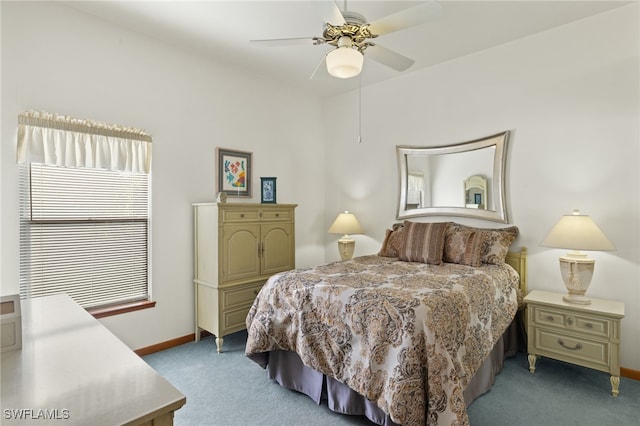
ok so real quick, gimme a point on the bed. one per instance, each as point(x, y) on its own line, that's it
point(408, 336)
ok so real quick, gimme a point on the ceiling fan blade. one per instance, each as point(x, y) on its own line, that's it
point(276, 42)
point(330, 12)
point(429, 11)
point(388, 57)
point(321, 70)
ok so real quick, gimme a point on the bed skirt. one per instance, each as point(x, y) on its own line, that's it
point(287, 369)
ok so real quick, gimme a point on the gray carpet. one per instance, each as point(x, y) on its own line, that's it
point(229, 389)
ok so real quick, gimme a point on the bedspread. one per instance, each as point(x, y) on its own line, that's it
point(408, 336)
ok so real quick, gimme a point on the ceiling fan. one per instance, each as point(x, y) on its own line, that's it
point(351, 36)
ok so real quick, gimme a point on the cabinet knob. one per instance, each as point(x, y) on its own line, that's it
point(549, 318)
point(570, 321)
point(241, 214)
point(277, 214)
point(589, 325)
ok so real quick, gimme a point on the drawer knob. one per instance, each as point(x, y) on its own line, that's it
point(241, 214)
point(277, 214)
point(549, 318)
point(588, 325)
point(577, 347)
point(569, 321)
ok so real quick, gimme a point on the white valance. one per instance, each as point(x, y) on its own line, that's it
point(59, 140)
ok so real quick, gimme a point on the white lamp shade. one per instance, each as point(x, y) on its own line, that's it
point(344, 62)
point(346, 223)
point(577, 232)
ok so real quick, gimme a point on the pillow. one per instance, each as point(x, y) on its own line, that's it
point(423, 242)
point(463, 247)
point(495, 242)
point(392, 241)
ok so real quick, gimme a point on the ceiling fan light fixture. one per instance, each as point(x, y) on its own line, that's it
point(344, 62)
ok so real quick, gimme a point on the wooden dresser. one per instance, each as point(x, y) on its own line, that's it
point(238, 246)
point(71, 370)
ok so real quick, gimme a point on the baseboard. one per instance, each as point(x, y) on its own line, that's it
point(629, 373)
point(166, 345)
point(170, 343)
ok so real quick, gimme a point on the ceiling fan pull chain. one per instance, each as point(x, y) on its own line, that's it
point(360, 108)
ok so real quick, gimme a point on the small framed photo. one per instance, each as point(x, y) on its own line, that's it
point(268, 190)
point(233, 173)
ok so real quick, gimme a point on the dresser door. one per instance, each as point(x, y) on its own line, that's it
point(240, 258)
point(277, 251)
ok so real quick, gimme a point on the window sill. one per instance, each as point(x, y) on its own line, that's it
point(121, 309)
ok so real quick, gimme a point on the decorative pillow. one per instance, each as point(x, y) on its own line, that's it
point(495, 242)
point(392, 241)
point(463, 247)
point(423, 242)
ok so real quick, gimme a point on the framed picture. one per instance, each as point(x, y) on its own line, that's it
point(234, 172)
point(268, 190)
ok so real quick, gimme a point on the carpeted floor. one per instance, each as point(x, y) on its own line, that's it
point(229, 389)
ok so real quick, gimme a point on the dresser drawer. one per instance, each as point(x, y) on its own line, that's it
point(276, 215)
point(240, 295)
point(255, 215)
point(244, 215)
point(235, 320)
point(567, 320)
point(582, 351)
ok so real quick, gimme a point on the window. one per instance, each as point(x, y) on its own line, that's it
point(84, 212)
point(84, 232)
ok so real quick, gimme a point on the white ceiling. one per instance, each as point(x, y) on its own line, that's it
point(222, 30)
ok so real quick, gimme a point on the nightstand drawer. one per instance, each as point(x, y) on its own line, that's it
point(590, 353)
point(578, 322)
point(550, 317)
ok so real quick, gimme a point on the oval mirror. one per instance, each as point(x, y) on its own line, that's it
point(465, 179)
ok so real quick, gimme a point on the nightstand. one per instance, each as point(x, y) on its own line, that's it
point(585, 335)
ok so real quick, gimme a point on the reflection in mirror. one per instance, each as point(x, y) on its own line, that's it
point(431, 177)
point(475, 192)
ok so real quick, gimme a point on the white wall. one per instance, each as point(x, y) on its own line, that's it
point(569, 95)
point(57, 59)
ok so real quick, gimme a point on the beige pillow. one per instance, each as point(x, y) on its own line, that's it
point(423, 242)
point(495, 242)
point(392, 241)
point(463, 247)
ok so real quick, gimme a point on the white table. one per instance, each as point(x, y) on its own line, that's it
point(71, 368)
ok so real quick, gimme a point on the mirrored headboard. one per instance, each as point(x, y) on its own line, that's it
point(466, 179)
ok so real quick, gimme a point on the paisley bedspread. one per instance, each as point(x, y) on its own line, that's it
point(408, 336)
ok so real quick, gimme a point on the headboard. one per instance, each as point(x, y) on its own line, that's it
point(518, 260)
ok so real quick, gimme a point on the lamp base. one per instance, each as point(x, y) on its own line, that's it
point(576, 299)
point(346, 247)
point(576, 269)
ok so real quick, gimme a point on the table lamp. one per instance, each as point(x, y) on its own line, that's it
point(577, 232)
point(346, 224)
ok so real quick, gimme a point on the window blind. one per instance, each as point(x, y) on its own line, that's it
point(84, 232)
